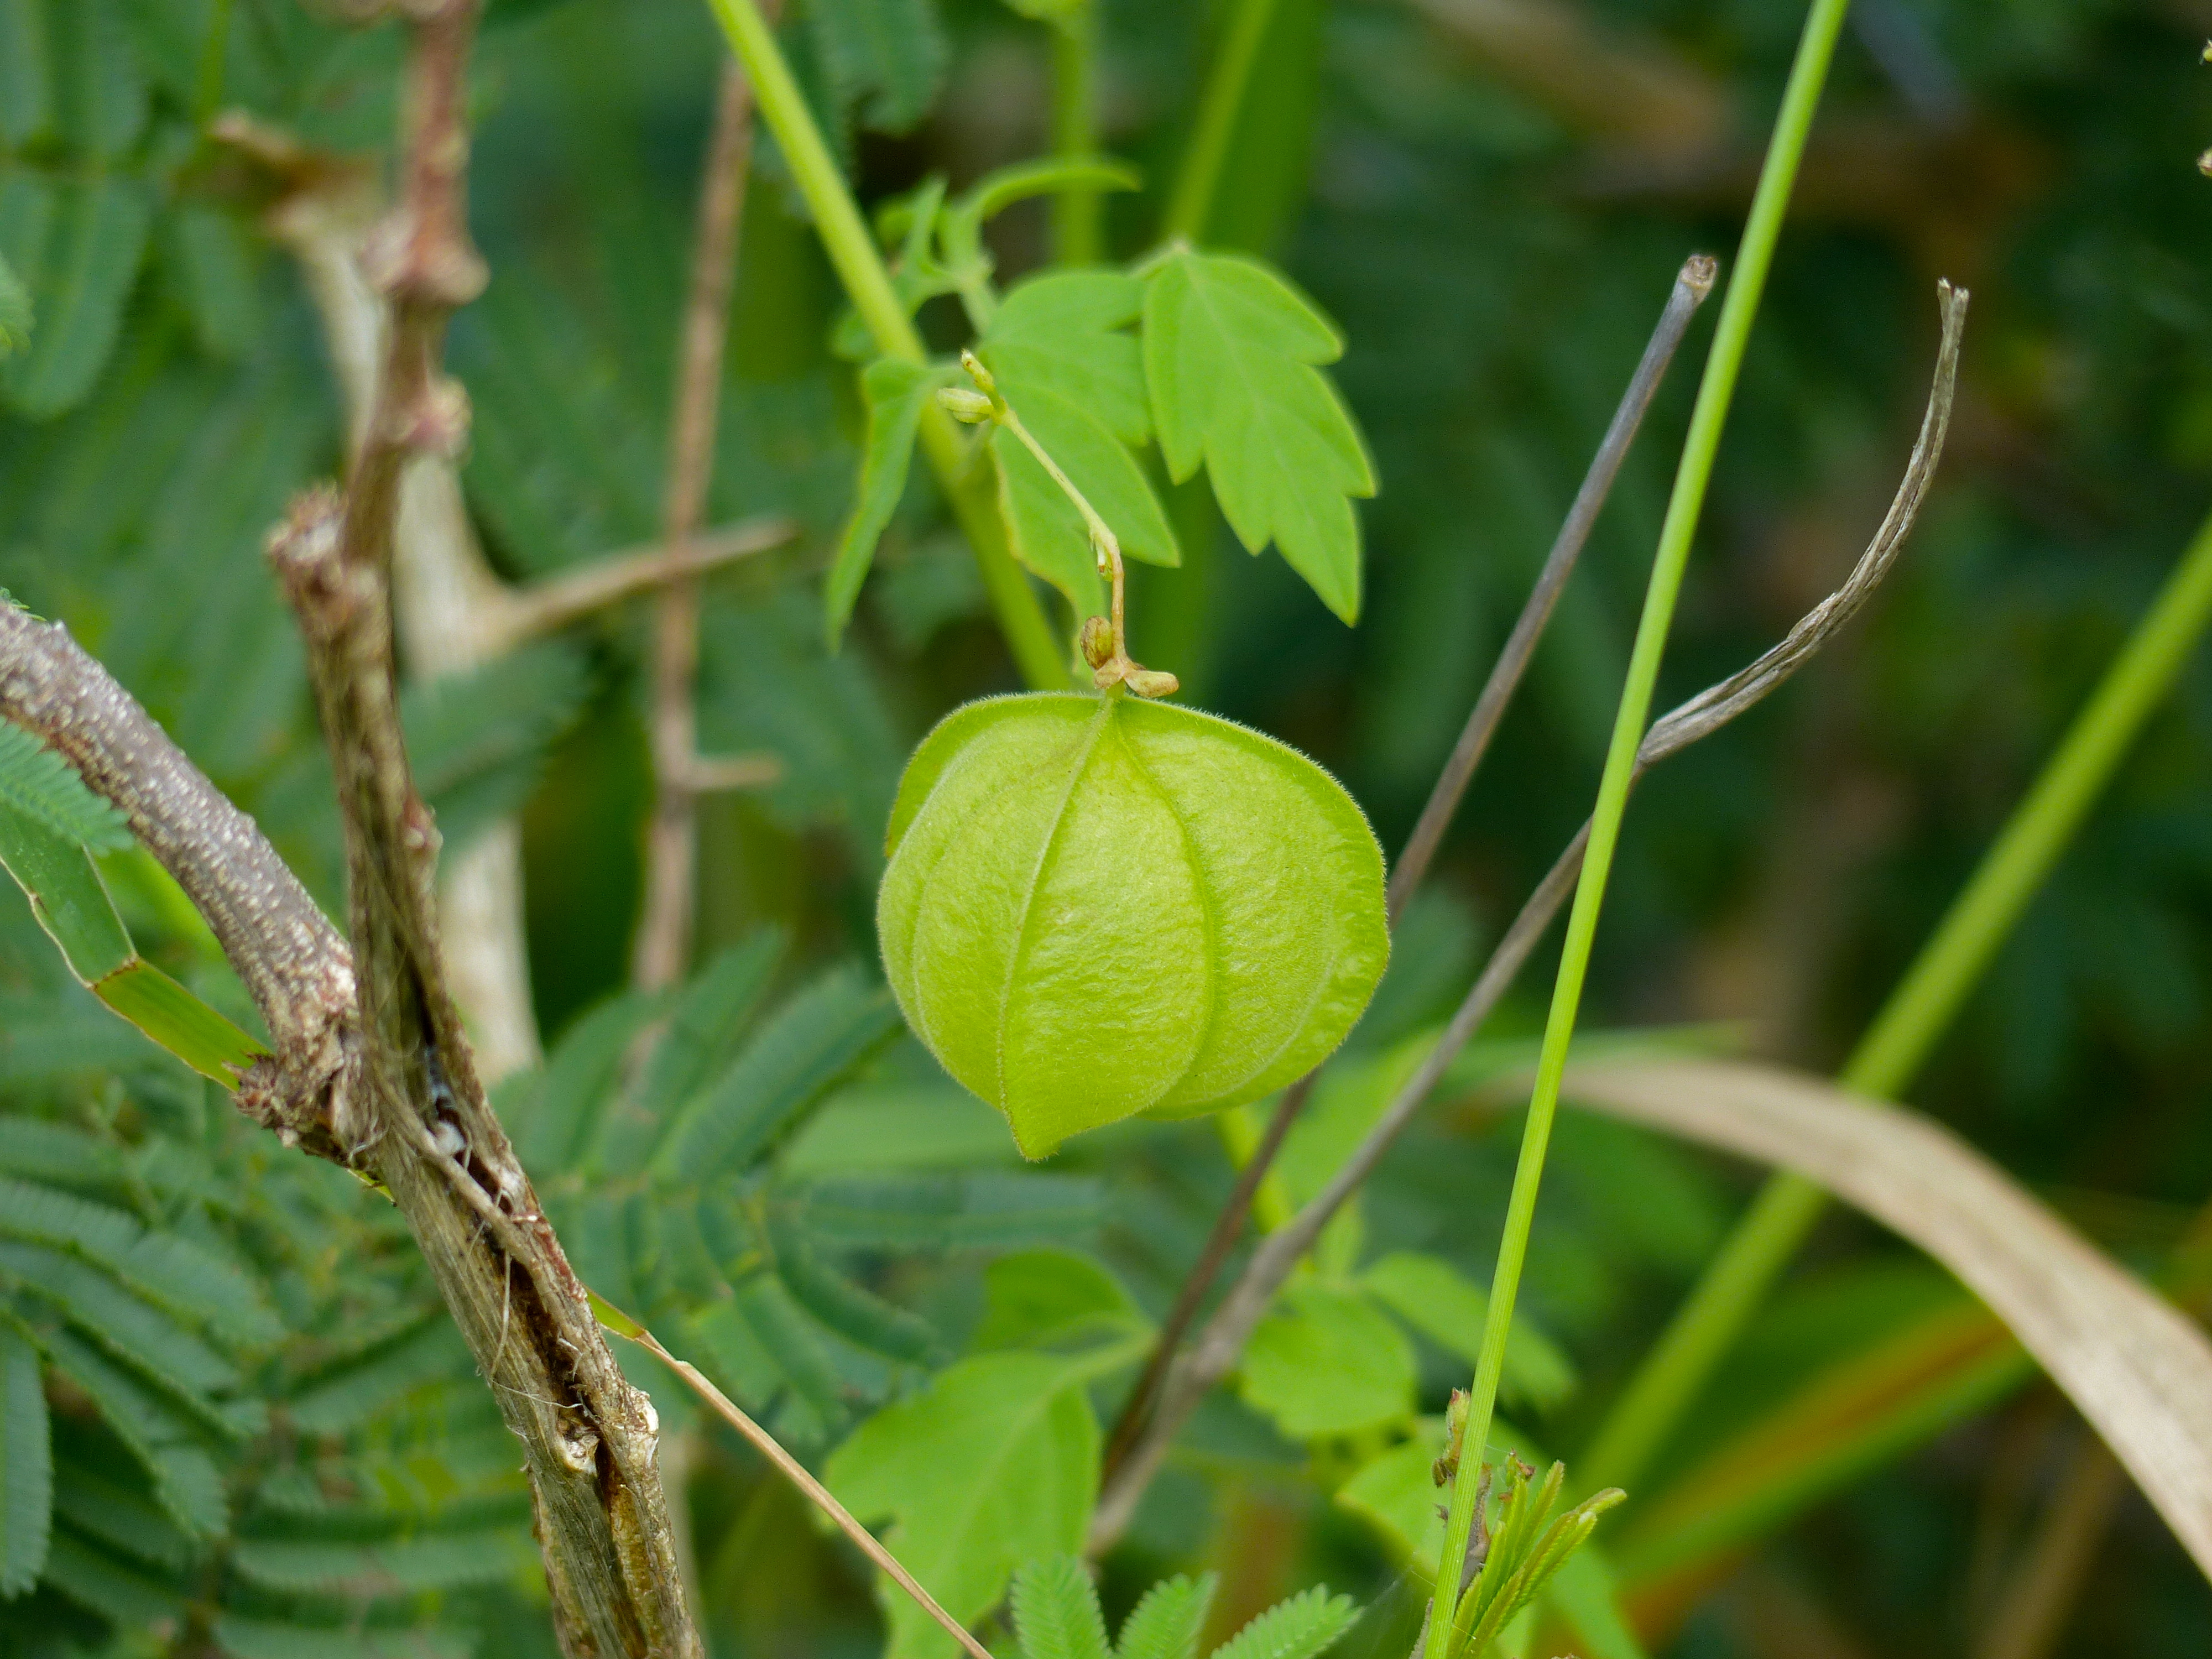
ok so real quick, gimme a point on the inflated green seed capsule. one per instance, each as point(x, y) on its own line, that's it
point(1097, 907)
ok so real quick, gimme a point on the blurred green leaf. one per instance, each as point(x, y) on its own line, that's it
point(895, 391)
point(15, 312)
point(77, 246)
point(806, 1047)
point(952, 1212)
point(996, 1464)
point(478, 741)
point(1051, 1298)
point(1397, 1494)
point(1325, 1362)
point(216, 262)
point(886, 57)
point(896, 1126)
point(1448, 1307)
point(25, 1465)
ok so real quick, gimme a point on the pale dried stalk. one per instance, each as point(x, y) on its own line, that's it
point(2045, 1583)
point(672, 855)
point(1221, 1344)
point(523, 614)
point(2133, 1365)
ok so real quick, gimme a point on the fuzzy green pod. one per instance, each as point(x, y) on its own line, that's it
point(1097, 907)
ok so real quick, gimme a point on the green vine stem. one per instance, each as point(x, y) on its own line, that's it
point(1715, 391)
point(1918, 1012)
point(1078, 213)
point(1104, 640)
point(1040, 655)
point(1200, 181)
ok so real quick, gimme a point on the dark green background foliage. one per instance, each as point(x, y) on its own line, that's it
point(263, 1435)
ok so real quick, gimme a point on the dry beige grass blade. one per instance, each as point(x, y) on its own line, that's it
point(2133, 1365)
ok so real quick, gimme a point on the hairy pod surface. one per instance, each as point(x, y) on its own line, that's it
point(1096, 907)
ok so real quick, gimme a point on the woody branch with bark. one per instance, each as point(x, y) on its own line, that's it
point(453, 613)
point(371, 1067)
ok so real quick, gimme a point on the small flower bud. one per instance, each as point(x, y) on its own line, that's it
point(970, 408)
point(1096, 640)
point(977, 373)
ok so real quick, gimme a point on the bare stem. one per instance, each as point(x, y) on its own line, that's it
point(664, 937)
point(1104, 641)
point(1691, 285)
point(1223, 1340)
point(547, 606)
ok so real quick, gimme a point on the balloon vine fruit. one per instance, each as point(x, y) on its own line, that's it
point(1097, 906)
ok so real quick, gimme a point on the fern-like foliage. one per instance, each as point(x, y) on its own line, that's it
point(1056, 1616)
point(175, 1451)
point(661, 1170)
point(42, 787)
point(1056, 1611)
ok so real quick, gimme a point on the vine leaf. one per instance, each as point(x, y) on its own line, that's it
point(1059, 348)
point(1067, 332)
point(996, 1464)
point(1231, 358)
point(1328, 1361)
point(895, 390)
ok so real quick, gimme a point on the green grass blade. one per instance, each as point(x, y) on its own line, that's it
point(174, 1018)
point(1917, 1015)
point(67, 896)
point(1808, 74)
point(71, 904)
